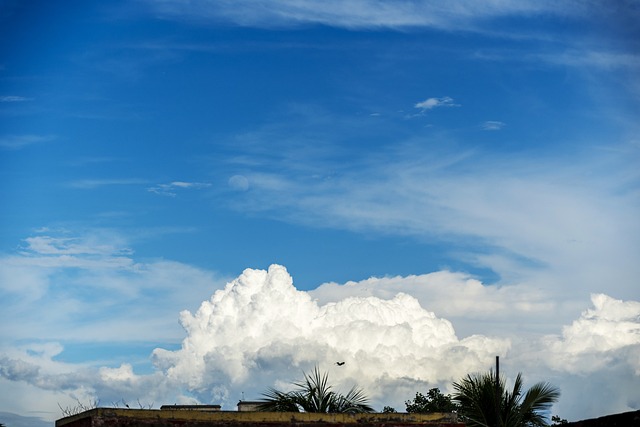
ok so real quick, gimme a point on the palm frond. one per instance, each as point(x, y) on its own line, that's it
point(354, 402)
point(538, 400)
point(278, 401)
point(475, 394)
point(485, 402)
point(314, 394)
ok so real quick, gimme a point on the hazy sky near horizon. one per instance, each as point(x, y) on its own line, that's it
point(206, 198)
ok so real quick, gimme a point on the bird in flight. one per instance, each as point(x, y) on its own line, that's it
point(339, 363)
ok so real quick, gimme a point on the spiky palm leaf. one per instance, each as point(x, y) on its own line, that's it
point(314, 394)
point(538, 398)
point(354, 402)
point(475, 398)
point(278, 401)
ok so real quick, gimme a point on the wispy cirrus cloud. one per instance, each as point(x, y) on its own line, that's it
point(93, 276)
point(14, 98)
point(465, 15)
point(599, 59)
point(17, 142)
point(171, 189)
point(576, 55)
point(49, 245)
point(89, 184)
point(531, 220)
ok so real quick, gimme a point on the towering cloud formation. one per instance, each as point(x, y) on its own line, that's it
point(611, 325)
point(261, 331)
point(260, 325)
point(598, 358)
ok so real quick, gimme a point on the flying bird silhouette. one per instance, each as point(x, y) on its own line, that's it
point(339, 363)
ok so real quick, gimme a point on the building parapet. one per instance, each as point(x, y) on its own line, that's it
point(170, 416)
point(204, 408)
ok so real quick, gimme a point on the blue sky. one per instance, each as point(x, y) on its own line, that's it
point(481, 157)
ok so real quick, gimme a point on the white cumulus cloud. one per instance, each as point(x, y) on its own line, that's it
point(431, 103)
point(260, 325)
point(475, 307)
point(261, 331)
point(597, 356)
point(597, 336)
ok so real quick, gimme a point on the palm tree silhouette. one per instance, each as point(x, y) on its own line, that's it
point(481, 404)
point(314, 394)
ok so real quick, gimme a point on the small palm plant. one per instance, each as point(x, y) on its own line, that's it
point(315, 394)
point(487, 403)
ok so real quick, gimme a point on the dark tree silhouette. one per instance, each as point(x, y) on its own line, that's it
point(434, 401)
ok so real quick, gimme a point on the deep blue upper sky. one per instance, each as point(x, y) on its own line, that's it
point(119, 98)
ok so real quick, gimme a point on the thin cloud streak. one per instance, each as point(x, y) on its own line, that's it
point(90, 184)
point(467, 15)
point(13, 98)
point(172, 188)
point(17, 142)
point(493, 125)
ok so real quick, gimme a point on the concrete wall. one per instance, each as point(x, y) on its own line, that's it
point(248, 405)
point(104, 417)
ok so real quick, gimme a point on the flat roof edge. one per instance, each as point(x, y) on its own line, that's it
point(168, 413)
